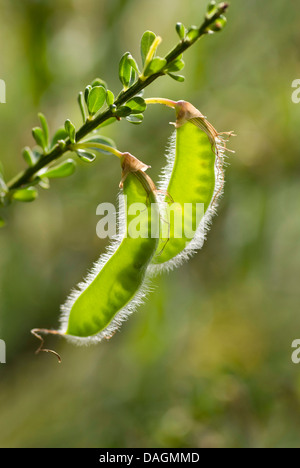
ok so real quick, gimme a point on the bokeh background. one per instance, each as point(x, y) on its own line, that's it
point(206, 362)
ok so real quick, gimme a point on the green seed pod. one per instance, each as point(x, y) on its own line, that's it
point(193, 175)
point(117, 282)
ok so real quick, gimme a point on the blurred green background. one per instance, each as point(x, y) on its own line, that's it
point(206, 362)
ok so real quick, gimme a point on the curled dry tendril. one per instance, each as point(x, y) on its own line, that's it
point(36, 332)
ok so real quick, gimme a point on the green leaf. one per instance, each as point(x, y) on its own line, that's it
point(135, 119)
point(132, 77)
point(107, 122)
point(99, 139)
point(175, 66)
point(65, 169)
point(155, 66)
point(125, 70)
point(192, 34)
point(87, 92)
point(99, 82)
point(146, 42)
point(123, 111)
point(180, 29)
point(44, 183)
point(141, 93)
point(137, 105)
point(133, 63)
point(37, 154)
point(2, 222)
point(62, 144)
point(212, 8)
point(103, 141)
point(39, 137)
point(110, 98)
point(71, 131)
point(60, 134)
point(25, 195)
point(29, 156)
point(35, 181)
point(45, 128)
point(80, 100)
point(218, 25)
point(96, 99)
point(85, 155)
point(178, 78)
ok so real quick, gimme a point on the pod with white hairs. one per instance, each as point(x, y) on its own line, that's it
point(191, 182)
point(117, 282)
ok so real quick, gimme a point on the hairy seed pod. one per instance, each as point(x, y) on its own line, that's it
point(117, 282)
point(193, 175)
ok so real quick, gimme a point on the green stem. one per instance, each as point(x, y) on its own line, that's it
point(164, 101)
point(107, 148)
point(25, 177)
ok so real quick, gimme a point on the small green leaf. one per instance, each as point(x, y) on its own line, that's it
point(60, 134)
point(44, 183)
point(85, 155)
point(192, 34)
point(35, 181)
point(62, 144)
point(141, 93)
point(2, 222)
point(123, 111)
point(29, 156)
point(39, 137)
point(180, 29)
point(178, 78)
point(87, 92)
point(155, 66)
point(45, 128)
point(37, 154)
point(135, 119)
point(107, 122)
point(71, 131)
point(175, 66)
point(125, 70)
point(65, 169)
point(137, 105)
point(212, 8)
point(133, 63)
point(96, 99)
point(80, 100)
point(132, 77)
point(99, 82)
point(103, 141)
point(146, 42)
point(25, 195)
point(218, 25)
point(110, 98)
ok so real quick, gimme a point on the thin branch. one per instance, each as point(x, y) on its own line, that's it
point(25, 177)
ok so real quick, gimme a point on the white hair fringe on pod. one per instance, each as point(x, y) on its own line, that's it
point(124, 313)
point(219, 145)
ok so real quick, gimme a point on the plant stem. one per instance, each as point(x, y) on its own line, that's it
point(92, 145)
point(165, 102)
point(91, 124)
